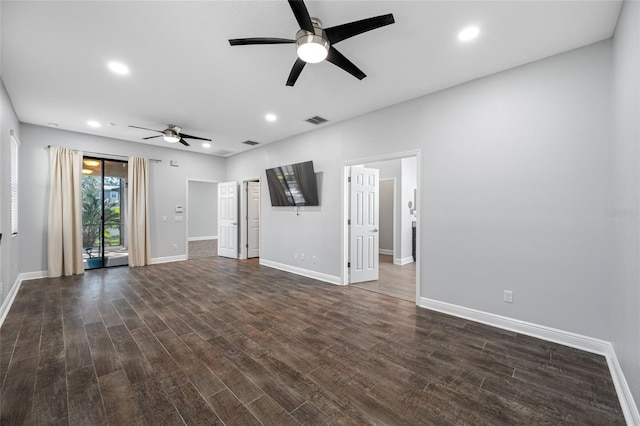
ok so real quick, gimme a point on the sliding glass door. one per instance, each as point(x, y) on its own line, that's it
point(104, 195)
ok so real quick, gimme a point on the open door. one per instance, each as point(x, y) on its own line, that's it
point(364, 236)
point(228, 219)
point(253, 219)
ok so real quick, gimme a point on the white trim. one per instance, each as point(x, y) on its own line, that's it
point(578, 341)
point(331, 279)
point(168, 259)
point(402, 261)
point(206, 238)
point(6, 305)
point(25, 276)
point(562, 337)
point(386, 252)
point(627, 403)
point(35, 275)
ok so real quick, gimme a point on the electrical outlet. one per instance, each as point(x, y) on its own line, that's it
point(175, 247)
point(295, 255)
point(302, 257)
point(508, 296)
point(314, 259)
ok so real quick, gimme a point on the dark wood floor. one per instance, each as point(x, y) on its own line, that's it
point(220, 341)
point(393, 280)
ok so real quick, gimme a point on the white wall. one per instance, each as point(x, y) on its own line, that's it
point(624, 211)
point(203, 209)
point(514, 178)
point(168, 187)
point(10, 249)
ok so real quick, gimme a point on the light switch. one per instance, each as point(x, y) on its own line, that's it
point(164, 218)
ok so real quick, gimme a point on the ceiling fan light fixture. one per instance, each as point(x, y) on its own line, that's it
point(171, 136)
point(312, 48)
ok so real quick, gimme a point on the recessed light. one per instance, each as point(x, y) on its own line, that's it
point(93, 123)
point(270, 117)
point(206, 145)
point(468, 34)
point(118, 68)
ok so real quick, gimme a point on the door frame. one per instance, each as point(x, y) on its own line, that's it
point(186, 219)
point(242, 221)
point(346, 173)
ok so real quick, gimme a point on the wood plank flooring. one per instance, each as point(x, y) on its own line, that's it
point(393, 280)
point(226, 342)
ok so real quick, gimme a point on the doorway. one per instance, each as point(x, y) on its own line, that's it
point(104, 207)
point(202, 218)
point(397, 270)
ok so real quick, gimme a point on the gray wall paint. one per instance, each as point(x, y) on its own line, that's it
point(386, 214)
point(203, 209)
point(514, 178)
point(409, 182)
point(168, 187)
point(625, 288)
point(9, 267)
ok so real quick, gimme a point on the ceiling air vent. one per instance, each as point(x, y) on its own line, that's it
point(316, 120)
point(252, 143)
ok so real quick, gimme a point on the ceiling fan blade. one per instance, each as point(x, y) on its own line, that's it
point(151, 137)
point(302, 14)
point(338, 59)
point(259, 40)
point(345, 31)
point(144, 128)
point(184, 135)
point(183, 142)
point(295, 71)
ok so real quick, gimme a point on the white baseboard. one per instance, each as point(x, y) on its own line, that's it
point(35, 275)
point(585, 343)
point(403, 260)
point(331, 279)
point(386, 251)
point(210, 237)
point(6, 304)
point(627, 403)
point(168, 259)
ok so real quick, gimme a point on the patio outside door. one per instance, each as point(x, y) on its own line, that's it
point(104, 195)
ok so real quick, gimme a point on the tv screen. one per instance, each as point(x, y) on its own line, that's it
point(293, 185)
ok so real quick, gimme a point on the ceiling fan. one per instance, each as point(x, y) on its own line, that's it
point(172, 134)
point(315, 44)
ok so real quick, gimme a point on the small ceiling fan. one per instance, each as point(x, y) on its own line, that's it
point(172, 134)
point(315, 44)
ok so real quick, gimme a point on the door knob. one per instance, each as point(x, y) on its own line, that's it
point(374, 230)
point(233, 223)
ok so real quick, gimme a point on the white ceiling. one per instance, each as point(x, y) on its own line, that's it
point(183, 71)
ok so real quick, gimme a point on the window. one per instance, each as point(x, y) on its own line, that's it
point(14, 184)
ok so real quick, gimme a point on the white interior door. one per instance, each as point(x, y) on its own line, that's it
point(228, 219)
point(253, 219)
point(364, 234)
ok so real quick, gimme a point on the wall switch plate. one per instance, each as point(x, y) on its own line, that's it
point(314, 259)
point(175, 247)
point(302, 256)
point(295, 255)
point(508, 296)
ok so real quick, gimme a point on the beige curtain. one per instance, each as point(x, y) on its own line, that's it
point(65, 213)
point(138, 186)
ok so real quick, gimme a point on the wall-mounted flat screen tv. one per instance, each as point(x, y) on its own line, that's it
point(293, 185)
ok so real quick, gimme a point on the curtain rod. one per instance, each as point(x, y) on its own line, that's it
point(111, 155)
